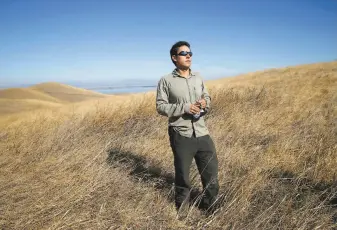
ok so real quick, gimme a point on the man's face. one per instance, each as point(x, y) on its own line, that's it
point(183, 58)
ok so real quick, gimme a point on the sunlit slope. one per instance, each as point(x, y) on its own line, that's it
point(292, 76)
point(12, 106)
point(26, 93)
point(66, 93)
point(42, 96)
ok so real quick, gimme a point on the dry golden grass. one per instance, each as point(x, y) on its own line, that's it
point(107, 164)
point(10, 106)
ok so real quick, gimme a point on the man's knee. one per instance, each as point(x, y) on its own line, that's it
point(182, 165)
point(182, 178)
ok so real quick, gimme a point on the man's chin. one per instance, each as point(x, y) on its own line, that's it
point(186, 67)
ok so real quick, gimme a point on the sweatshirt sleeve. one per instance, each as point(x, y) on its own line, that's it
point(162, 102)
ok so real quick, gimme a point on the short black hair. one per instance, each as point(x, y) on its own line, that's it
point(175, 48)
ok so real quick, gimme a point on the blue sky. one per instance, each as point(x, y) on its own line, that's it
point(103, 42)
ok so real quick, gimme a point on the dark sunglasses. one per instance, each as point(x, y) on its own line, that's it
point(184, 53)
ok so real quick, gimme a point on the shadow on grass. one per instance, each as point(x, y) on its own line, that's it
point(143, 171)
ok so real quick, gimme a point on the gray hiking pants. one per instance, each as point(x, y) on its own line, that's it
point(202, 149)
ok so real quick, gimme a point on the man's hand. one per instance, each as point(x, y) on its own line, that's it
point(202, 103)
point(194, 109)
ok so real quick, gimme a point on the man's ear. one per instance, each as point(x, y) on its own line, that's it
point(174, 58)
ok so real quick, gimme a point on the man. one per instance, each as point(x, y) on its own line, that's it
point(184, 99)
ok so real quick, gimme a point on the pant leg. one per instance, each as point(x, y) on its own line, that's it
point(184, 149)
point(207, 163)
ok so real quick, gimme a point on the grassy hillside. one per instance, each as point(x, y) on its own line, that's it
point(66, 93)
point(16, 102)
point(109, 165)
point(25, 93)
point(10, 106)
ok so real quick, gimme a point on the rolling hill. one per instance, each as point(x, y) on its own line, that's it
point(26, 93)
point(66, 93)
point(42, 96)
